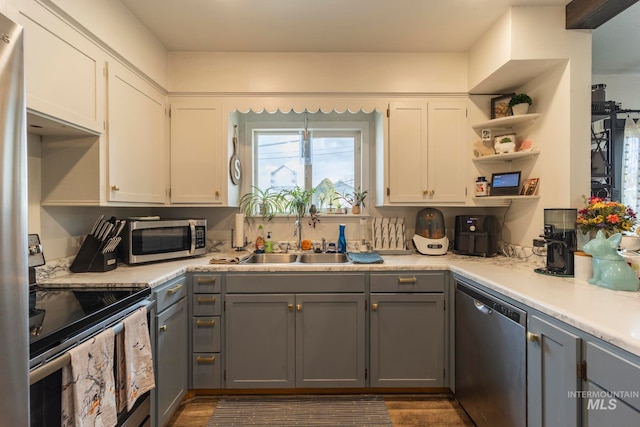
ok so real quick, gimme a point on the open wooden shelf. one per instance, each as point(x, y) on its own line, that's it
point(506, 122)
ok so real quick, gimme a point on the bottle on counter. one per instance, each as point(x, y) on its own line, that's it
point(268, 244)
point(342, 241)
point(482, 187)
point(260, 240)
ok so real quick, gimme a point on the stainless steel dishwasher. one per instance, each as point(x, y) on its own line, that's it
point(490, 355)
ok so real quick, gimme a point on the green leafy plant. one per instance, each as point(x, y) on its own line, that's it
point(505, 140)
point(297, 201)
point(356, 198)
point(265, 203)
point(520, 98)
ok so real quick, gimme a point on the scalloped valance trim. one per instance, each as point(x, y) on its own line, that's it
point(300, 105)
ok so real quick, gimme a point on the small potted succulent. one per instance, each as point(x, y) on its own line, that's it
point(505, 144)
point(519, 103)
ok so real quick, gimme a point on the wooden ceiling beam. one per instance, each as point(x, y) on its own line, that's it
point(590, 14)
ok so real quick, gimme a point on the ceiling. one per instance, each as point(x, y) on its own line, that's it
point(357, 26)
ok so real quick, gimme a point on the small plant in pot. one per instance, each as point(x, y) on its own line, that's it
point(505, 144)
point(519, 103)
point(356, 200)
point(265, 203)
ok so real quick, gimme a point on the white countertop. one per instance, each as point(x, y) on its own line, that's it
point(613, 316)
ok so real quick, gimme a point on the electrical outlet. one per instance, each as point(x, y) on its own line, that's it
point(538, 243)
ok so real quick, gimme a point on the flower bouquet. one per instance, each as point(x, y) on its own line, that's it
point(601, 214)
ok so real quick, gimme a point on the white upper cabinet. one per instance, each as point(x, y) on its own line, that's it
point(136, 142)
point(64, 72)
point(197, 157)
point(426, 139)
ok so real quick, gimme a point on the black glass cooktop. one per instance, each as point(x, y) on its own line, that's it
point(56, 315)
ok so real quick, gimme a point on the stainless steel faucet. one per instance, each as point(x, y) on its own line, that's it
point(297, 231)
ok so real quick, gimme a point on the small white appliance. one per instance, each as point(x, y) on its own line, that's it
point(430, 237)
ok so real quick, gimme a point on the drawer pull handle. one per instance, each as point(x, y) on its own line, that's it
point(407, 280)
point(374, 306)
point(163, 328)
point(290, 307)
point(201, 359)
point(174, 290)
point(531, 337)
point(202, 280)
point(206, 299)
point(299, 307)
point(205, 322)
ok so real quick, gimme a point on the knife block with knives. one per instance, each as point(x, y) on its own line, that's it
point(98, 251)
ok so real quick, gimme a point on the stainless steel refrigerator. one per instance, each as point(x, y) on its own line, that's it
point(14, 343)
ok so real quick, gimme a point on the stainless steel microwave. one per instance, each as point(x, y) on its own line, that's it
point(154, 239)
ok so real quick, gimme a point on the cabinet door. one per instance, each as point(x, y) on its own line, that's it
point(260, 346)
point(197, 166)
point(407, 340)
point(552, 367)
point(171, 360)
point(447, 149)
point(407, 151)
point(330, 340)
point(136, 139)
point(63, 71)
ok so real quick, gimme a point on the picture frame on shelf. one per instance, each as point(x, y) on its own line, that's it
point(530, 187)
point(500, 106)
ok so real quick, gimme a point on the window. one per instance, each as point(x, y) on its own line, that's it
point(329, 161)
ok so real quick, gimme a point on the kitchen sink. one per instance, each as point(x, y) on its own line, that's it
point(270, 259)
point(322, 258)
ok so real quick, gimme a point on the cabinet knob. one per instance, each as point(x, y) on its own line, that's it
point(299, 307)
point(374, 306)
point(209, 300)
point(174, 290)
point(202, 359)
point(531, 337)
point(290, 307)
point(425, 192)
point(217, 193)
point(205, 322)
point(432, 192)
point(163, 328)
point(115, 188)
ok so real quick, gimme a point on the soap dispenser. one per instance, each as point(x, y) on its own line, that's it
point(268, 244)
point(260, 240)
point(342, 241)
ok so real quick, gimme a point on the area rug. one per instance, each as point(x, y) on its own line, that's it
point(300, 411)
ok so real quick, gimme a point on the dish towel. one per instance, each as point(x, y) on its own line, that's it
point(221, 259)
point(137, 355)
point(365, 257)
point(88, 387)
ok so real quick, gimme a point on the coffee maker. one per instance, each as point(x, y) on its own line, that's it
point(560, 237)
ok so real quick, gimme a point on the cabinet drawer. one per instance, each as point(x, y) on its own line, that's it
point(206, 334)
point(407, 282)
point(206, 304)
point(613, 373)
point(207, 283)
point(170, 293)
point(295, 283)
point(206, 371)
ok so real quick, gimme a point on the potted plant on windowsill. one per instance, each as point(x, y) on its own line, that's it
point(519, 103)
point(356, 200)
point(266, 203)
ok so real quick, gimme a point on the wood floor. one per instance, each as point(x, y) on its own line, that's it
point(441, 410)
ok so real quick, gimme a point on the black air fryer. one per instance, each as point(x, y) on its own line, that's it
point(476, 235)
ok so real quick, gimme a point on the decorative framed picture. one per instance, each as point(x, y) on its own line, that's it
point(500, 106)
point(530, 187)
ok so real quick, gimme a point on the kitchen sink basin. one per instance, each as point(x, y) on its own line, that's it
point(320, 258)
point(270, 259)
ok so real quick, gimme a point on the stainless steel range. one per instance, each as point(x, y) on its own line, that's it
point(62, 318)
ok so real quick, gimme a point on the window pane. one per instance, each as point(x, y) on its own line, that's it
point(333, 168)
point(277, 162)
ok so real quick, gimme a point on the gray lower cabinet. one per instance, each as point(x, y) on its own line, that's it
point(574, 379)
point(407, 329)
point(206, 327)
point(281, 339)
point(171, 363)
point(552, 367)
